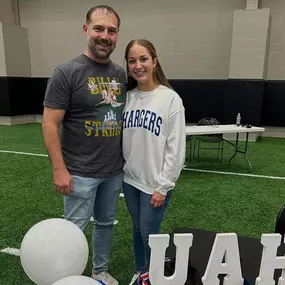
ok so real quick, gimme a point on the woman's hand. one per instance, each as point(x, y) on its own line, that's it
point(157, 200)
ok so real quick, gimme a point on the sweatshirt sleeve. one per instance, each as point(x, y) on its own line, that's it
point(174, 157)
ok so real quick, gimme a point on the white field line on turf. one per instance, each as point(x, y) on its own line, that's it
point(92, 220)
point(11, 251)
point(184, 168)
point(234, 173)
point(35, 154)
point(24, 153)
point(16, 251)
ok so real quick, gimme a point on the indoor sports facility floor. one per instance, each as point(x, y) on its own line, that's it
point(214, 196)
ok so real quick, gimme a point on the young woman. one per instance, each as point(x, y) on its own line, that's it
point(153, 145)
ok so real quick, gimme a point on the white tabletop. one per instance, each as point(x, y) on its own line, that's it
point(221, 129)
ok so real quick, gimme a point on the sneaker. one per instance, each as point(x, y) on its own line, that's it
point(135, 278)
point(105, 278)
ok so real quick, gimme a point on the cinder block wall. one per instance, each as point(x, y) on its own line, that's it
point(276, 55)
point(192, 37)
point(195, 39)
point(2, 53)
point(7, 14)
point(17, 52)
point(250, 44)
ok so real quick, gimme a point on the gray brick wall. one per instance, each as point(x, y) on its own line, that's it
point(2, 53)
point(249, 44)
point(276, 56)
point(192, 37)
point(16, 49)
point(7, 14)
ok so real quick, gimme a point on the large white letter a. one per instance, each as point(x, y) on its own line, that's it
point(225, 245)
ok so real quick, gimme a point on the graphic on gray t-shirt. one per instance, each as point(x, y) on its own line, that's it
point(93, 96)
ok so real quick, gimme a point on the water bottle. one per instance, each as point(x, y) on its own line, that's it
point(238, 119)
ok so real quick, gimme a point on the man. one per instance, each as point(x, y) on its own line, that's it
point(84, 101)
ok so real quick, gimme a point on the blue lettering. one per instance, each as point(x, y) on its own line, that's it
point(137, 117)
point(152, 121)
point(145, 119)
point(130, 121)
point(158, 123)
point(141, 117)
point(125, 115)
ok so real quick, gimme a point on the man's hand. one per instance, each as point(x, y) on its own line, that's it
point(157, 200)
point(62, 181)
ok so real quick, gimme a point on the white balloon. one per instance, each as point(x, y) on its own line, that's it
point(53, 249)
point(77, 280)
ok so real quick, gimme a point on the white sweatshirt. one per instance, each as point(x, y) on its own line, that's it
point(154, 139)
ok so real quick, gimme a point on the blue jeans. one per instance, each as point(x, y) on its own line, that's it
point(97, 198)
point(146, 221)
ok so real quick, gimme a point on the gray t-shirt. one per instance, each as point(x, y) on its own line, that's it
point(93, 96)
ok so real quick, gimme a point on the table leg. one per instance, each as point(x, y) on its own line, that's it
point(237, 150)
point(190, 139)
point(191, 148)
point(245, 151)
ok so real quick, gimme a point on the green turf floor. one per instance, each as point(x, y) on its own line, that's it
point(223, 203)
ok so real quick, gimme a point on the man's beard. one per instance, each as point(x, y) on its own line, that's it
point(102, 54)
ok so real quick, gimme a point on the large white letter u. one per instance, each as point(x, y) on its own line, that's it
point(158, 244)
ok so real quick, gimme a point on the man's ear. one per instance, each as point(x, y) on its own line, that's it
point(85, 28)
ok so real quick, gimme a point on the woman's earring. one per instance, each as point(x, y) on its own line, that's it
point(154, 69)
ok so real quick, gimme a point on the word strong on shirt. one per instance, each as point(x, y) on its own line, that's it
point(142, 119)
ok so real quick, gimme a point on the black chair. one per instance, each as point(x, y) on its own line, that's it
point(210, 142)
point(280, 222)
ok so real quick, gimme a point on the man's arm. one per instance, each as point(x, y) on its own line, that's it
point(52, 119)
